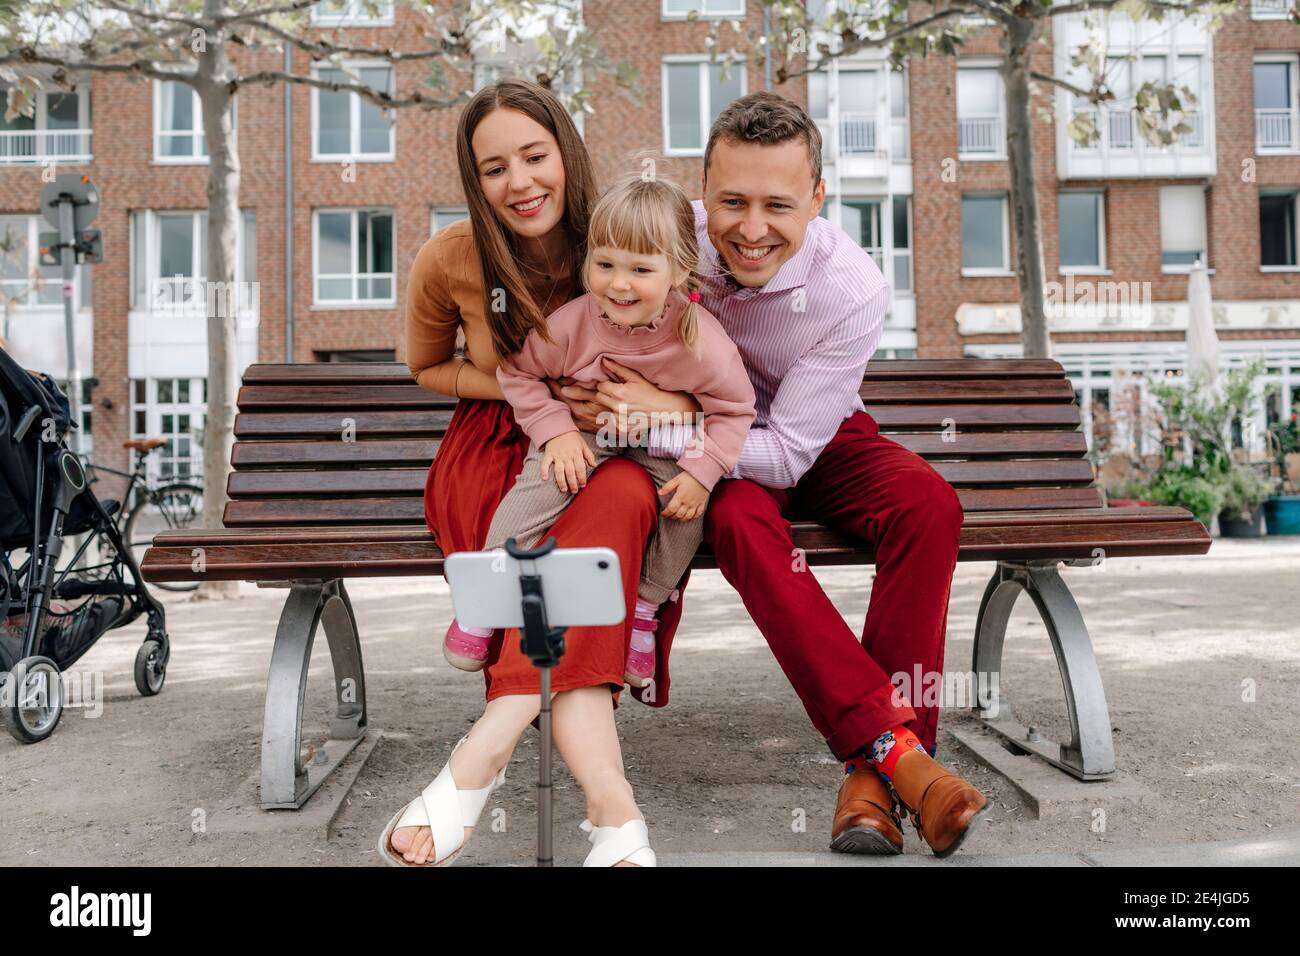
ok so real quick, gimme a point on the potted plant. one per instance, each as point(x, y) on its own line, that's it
point(1187, 487)
point(1244, 492)
point(1282, 510)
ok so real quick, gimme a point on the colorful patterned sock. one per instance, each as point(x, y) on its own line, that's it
point(644, 622)
point(885, 750)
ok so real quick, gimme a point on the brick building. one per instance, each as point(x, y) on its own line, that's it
point(913, 163)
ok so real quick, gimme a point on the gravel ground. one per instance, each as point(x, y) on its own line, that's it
point(1201, 659)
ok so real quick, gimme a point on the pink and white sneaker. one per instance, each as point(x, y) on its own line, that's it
point(639, 669)
point(466, 648)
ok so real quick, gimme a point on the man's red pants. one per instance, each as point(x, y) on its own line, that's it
point(871, 487)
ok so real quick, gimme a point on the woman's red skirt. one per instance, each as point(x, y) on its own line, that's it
point(478, 461)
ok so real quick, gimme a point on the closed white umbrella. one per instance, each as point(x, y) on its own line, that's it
point(1202, 340)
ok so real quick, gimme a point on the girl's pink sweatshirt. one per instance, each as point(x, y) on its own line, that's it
point(582, 335)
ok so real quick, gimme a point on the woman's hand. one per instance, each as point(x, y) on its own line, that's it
point(629, 397)
point(689, 497)
point(571, 456)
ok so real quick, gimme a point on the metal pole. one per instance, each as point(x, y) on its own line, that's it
point(68, 257)
point(544, 855)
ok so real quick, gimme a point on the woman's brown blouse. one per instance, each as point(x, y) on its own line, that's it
point(445, 295)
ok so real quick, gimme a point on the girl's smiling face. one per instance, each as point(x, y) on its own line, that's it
point(521, 171)
point(630, 287)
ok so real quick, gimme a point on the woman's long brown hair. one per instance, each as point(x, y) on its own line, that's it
point(497, 245)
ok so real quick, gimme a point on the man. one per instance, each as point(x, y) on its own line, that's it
point(805, 306)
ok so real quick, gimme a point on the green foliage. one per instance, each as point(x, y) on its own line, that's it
point(1244, 490)
point(1186, 487)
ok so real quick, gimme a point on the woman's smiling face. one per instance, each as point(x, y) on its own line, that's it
point(521, 171)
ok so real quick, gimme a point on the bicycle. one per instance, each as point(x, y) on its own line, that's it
point(178, 503)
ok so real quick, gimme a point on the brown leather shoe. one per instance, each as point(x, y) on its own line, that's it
point(866, 818)
point(943, 806)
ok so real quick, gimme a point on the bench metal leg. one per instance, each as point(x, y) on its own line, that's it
point(286, 782)
point(1090, 754)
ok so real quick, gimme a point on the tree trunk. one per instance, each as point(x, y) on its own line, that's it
point(221, 296)
point(1025, 221)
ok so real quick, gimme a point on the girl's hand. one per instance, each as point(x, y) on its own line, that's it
point(689, 500)
point(584, 408)
point(638, 398)
point(571, 456)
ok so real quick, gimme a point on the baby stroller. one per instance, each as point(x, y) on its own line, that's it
point(51, 613)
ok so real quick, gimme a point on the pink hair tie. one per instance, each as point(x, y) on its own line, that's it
point(694, 297)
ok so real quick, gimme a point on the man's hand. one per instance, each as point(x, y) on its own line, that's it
point(582, 403)
point(689, 500)
point(628, 393)
point(571, 456)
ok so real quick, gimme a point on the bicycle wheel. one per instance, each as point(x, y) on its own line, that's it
point(166, 508)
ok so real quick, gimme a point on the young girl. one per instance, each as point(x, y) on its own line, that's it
point(641, 310)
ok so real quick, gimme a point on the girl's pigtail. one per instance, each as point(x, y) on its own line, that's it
point(688, 325)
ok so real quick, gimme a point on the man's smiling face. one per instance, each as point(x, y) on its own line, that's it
point(760, 199)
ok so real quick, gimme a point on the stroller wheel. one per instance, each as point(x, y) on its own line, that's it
point(32, 699)
point(150, 671)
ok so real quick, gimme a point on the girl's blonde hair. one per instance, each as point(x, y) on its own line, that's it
point(652, 217)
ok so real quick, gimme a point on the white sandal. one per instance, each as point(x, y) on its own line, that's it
point(444, 809)
point(611, 845)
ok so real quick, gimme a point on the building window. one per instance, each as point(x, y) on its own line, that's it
point(984, 242)
point(902, 251)
point(353, 252)
point(178, 135)
point(169, 260)
point(58, 129)
point(444, 216)
point(899, 121)
point(172, 409)
point(353, 13)
point(862, 219)
point(24, 279)
point(1277, 229)
point(1269, 9)
point(1082, 230)
point(680, 9)
point(346, 126)
point(695, 92)
point(1182, 227)
point(981, 131)
point(1275, 103)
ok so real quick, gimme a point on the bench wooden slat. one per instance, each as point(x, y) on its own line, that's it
point(171, 559)
point(429, 423)
point(410, 509)
point(420, 451)
point(410, 481)
point(394, 373)
point(967, 390)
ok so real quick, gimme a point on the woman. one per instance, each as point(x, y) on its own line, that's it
point(529, 185)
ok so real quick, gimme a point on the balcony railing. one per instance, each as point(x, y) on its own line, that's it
point(980, 135)
point(857, 133)
point(1118, 131)
point(34, 146)
point(1119, 127)
point(1275, 129)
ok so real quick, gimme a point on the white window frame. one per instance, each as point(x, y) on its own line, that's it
point(354, 302)
point(703, 67)
point(1295, 235)
point(354, 122)
point(194, 159)
point(988, 271)
point(970, 64)
point(36, 224)
point(735, 12)
point(153, 260)
point(1100, 268)
point(42, 135)
point(1265, 10)
point(461, 210)
point(196, 408)
point(1205, 214)
point(1291, 59)
point(353, 15)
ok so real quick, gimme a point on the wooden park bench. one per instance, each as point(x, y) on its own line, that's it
point(329, 467)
